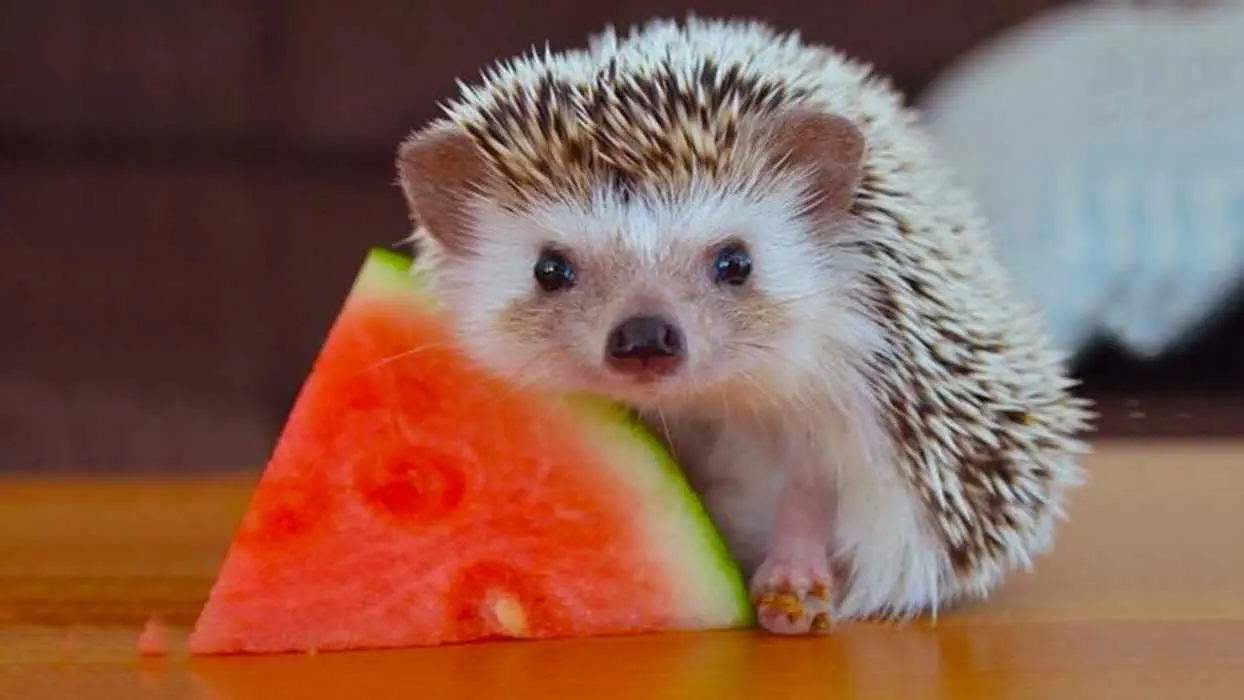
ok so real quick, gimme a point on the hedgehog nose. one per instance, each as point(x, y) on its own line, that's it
point(645, 345)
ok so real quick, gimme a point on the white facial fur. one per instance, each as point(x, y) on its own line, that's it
point(765, 339)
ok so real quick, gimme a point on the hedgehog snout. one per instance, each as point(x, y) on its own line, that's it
point(645, 346)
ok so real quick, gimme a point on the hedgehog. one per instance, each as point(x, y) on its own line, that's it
point(750, 241)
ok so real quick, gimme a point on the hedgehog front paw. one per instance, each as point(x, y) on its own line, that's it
point(792, 592)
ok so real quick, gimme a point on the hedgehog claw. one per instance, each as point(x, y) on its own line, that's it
point(792, 594)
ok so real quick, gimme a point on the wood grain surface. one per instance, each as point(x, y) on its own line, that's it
point(1143, 597)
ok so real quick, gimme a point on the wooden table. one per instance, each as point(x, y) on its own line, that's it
point(1143, 598)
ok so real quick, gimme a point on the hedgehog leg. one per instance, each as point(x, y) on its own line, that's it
point(793, 587)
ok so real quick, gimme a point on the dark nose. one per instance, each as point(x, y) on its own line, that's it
point(645, 345)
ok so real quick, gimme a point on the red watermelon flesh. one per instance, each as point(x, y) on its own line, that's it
point(414, 500)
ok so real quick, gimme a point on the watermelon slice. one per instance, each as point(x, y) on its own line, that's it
point(413, 500)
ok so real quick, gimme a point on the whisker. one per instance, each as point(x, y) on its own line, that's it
point(803, 398)
point(401, 355)
point(665, 427)
point(518, 380)
point(760, 387)
point(725, 403)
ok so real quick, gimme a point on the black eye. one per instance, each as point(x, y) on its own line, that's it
point(733, 265)
point(553, 272)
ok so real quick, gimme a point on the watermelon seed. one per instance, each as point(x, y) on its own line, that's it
point(509, 614)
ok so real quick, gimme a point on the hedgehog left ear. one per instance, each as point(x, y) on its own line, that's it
point(439, 170)
point(828, 145)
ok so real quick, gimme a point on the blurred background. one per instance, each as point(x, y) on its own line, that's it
point(187, 189)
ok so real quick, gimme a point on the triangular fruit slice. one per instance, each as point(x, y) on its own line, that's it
point(413, 500)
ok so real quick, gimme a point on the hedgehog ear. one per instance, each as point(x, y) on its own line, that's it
point(439, 170)
point(830, 146)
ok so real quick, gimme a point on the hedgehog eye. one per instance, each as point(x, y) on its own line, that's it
point(733, 265)
point(553, 271)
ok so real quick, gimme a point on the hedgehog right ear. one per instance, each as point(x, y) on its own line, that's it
point(830, 146)
point(439, 170)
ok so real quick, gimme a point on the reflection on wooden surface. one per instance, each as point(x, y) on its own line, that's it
point(1143, 597)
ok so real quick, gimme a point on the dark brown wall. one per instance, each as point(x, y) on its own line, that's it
point(186, 190)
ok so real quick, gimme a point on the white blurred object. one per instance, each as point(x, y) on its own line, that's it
point(1105, 141)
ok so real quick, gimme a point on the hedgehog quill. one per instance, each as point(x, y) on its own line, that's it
point(750, 240)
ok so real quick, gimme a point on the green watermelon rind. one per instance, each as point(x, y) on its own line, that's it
point(713, 571)
point(713, 567)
